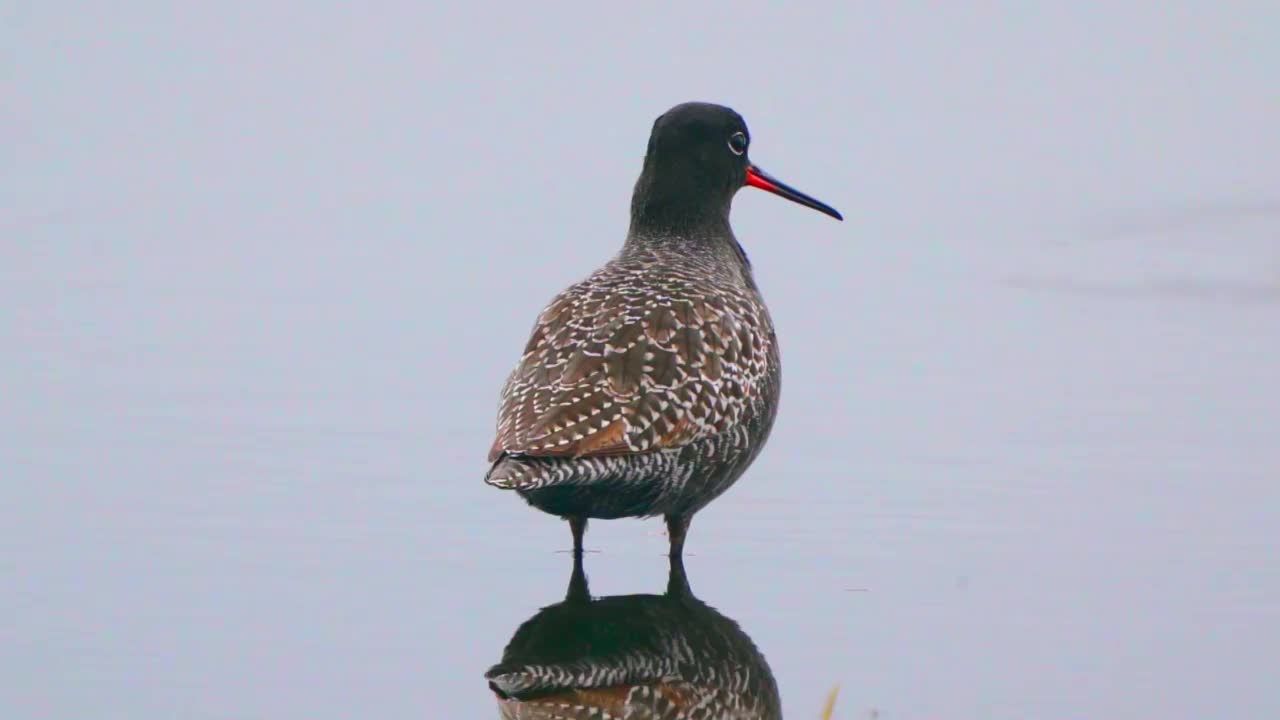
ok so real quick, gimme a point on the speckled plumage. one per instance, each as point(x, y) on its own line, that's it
point(633, 657)
point(648, 388)
point(644, 389)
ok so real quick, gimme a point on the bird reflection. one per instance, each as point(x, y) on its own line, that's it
point(633, 657)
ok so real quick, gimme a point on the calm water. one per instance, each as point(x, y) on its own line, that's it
point(257, 311)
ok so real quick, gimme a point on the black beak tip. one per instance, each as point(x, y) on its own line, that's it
point(758, 178)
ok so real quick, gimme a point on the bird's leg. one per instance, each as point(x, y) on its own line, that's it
point(579, 526)
point(677, 581)
point(677, 526)
point(577, 591)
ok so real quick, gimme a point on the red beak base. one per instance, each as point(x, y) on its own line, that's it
point(758, 178)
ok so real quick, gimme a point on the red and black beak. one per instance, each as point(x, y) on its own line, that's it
point(758, 178)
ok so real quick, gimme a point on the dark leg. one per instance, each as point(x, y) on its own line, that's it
point(579, 526)
point(677, 526)
point(677, 581)
point(577, 591)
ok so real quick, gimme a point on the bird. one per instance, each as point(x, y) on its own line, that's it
point(645, 657)
point(649, 387)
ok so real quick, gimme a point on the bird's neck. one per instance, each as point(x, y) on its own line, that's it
point(676, 199)
point(710, 245)
point(675, 212)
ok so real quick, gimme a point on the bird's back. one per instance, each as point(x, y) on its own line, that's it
point(655, 351)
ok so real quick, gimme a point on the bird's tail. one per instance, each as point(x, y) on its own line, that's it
point(525, 472)
point(513, 471)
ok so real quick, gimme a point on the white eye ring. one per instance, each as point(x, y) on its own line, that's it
point(737, 143)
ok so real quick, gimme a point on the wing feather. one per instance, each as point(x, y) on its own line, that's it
point(619, 364)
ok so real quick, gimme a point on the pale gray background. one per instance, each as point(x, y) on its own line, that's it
point(264, 266)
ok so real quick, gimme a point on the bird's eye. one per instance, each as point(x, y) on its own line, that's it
point(738, 143)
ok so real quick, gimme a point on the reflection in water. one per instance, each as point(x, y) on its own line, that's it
point(638, 657)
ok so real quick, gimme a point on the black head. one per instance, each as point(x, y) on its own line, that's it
point(697, 160)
